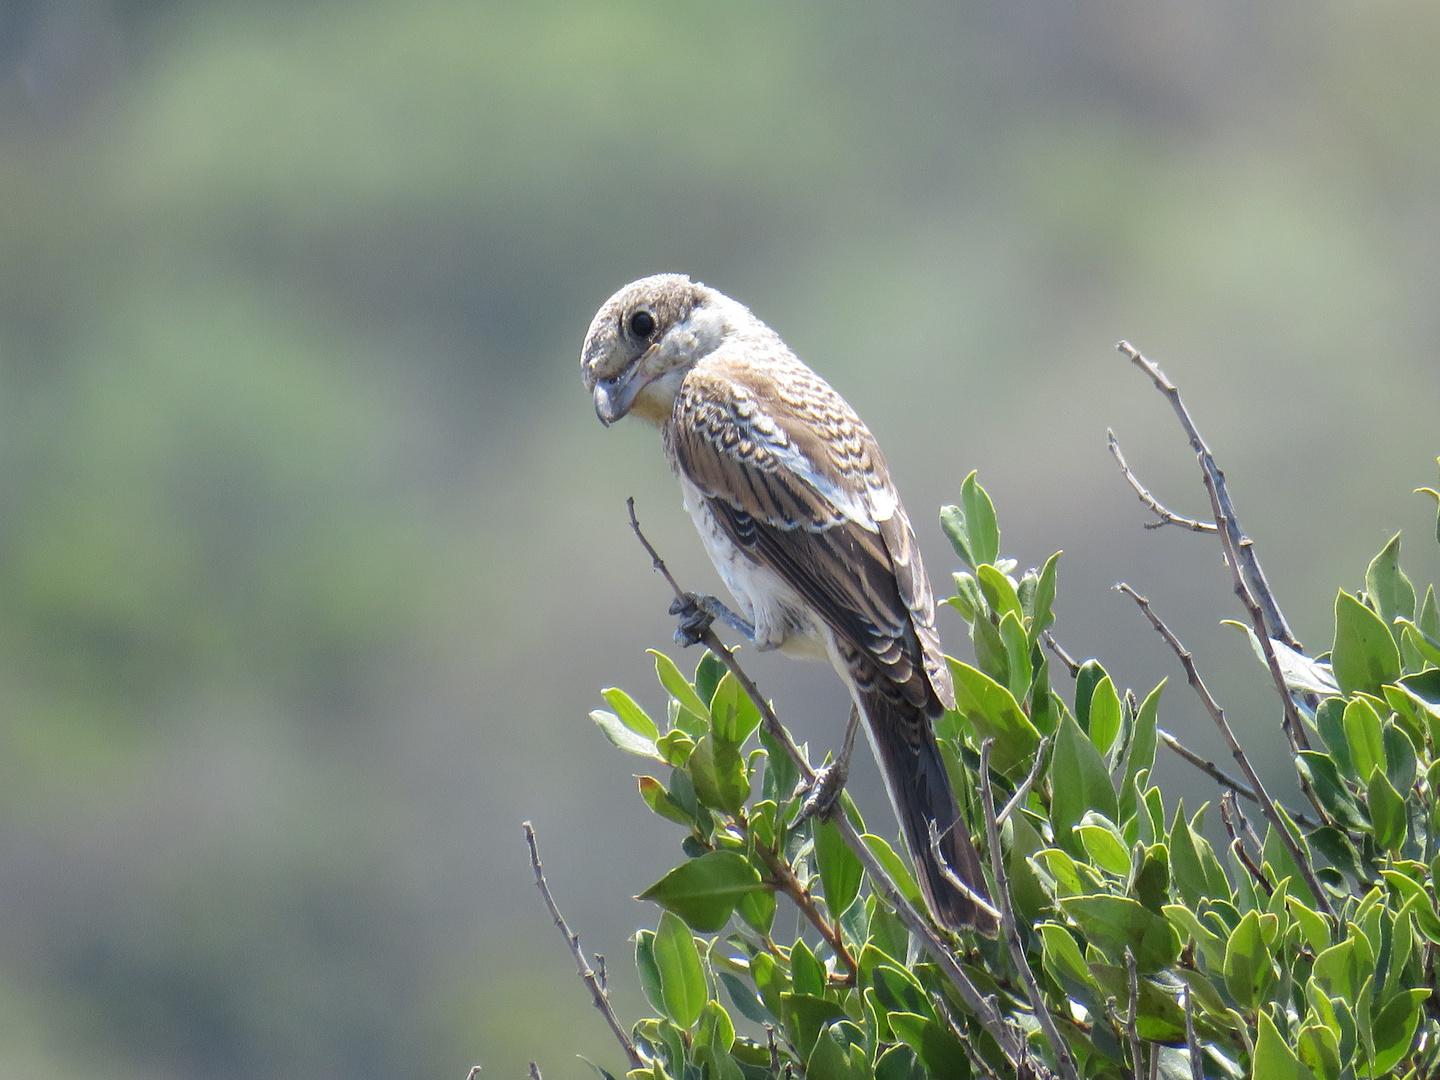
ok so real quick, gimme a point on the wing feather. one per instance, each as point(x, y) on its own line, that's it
point(801, 487)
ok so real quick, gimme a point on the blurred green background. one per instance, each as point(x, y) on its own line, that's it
point(312, 553)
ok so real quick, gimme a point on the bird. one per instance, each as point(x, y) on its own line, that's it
point(795, 507)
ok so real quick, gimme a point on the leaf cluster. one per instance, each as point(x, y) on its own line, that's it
point(1156, 954)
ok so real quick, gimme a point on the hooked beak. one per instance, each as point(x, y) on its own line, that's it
point(613, 397)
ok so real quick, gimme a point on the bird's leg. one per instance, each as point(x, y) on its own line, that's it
point(697, 612)
point(823, 792)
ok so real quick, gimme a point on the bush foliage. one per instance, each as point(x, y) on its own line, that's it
point(1154, 954)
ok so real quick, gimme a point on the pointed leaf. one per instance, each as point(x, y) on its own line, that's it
point(840, 869)
point(682, 979)
point(1364, 655)
point(704, 891)
point(1273, 1059)
point(1080, 782)
point(679, 687)
point(625, 737)
point(1387, 585)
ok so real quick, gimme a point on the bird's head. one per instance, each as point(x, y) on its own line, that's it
point(645, 338)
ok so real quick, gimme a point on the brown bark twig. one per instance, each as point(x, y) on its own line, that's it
point(597, 992)
point(1011, 930)
point(1165, 516)
point(983, 1007)
point(1274, 618)
point(1132, 1030)
point(1197, 1064)
point(1221, 777)
point(1238, 847)
point(1217, 714)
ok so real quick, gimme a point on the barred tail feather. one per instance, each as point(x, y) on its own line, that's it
point(920, 792)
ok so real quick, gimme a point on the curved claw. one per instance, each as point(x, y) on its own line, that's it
point(695, 620)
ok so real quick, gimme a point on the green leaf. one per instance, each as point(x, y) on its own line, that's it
point(630, 714)
point(806, 972)
point(1429, 618)
point(1066, 965)
point(649, 972)
point(1329, 719)
point(840, 870)
point(1338, 971)
point(1387, 585)
point(1319, 769)
point(1427, 649)
point(1114, 922)
point(704, 891)
point(1301, 673)
point(994, 713)
point(718, 770)
point(1104, 844)
point(1042, 616)
point(1249, 971)
point(1364, 737)
point(1436, 496)
point(1086, 679)
point(999, 592)
point(682, 979)
point(1212, 948)
point(895, 867)
point(1104, 715)
point(1141, 754)
point(758, 910)
point(708, 673)
point(1364, 655)
point(1393, 1028)
point(659, 800)
point(1190, 880)
point(830, 1061)
point(680, 688)
point(805, 1016)
point(899, 1063)
point(733, 716)
point(1080, 782)
point(626, 738)
point(770, 981)
point(1387, 812)
point(971, 526)
point(1273, 1059)
point(939, 1050)
point(1017, 655)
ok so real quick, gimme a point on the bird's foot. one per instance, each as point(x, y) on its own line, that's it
point(698, 612)
point(822, 794)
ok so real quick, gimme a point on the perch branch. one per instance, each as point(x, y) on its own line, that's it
point(1069, 661)
point(1274, 618)
point(1197, 1064)
point(1221, 777)
point(597, 992)
point(1294, 729)
point(1267, 805)
point(1238, 848)
point(1011, 929)
point(1132, 1030)
point(1165, 516)
point(984, 1008)
point(1025, 786)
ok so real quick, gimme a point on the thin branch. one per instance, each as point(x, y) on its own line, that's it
point(597, 992)
point(1221, 777)
point(535, 1071)
point(1065, 658)
point(1197, 1066)
point(788, 883)
point(1011, 930)
point(983, 1007)
point(474, 1073)
point(960, 884)
point(1025, 786)
point(1274, 618)
point(1238, 847)
point(1267, 805)
point(1131, 1030)
point(1294, 729)
point(1166, 517)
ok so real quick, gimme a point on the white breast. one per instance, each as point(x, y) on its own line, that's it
point(782, 619)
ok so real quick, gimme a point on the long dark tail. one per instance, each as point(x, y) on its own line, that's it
point(921, 793)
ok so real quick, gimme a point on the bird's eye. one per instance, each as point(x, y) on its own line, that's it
point(642, 324)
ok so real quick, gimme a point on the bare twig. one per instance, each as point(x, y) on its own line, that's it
point(1065, 658)
point(597, 992)
point(955, 879)
point(1221, 777)
point(1011, 930)
point(774, 1050)
point(1024, 789)
point(1164, 515)
point(1131, 1030)
point(474, 1073)
point(788, 883)
point(1197, 1066)
point(1230, 526)
point(1238, 847)
point(535, 1072)
point(1267, 805)
point(983, 1007)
